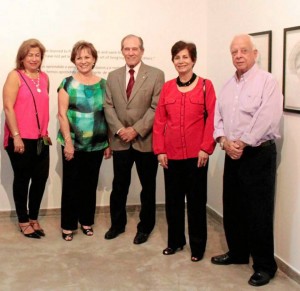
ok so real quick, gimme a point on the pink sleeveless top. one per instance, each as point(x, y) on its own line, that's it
point(25, 110)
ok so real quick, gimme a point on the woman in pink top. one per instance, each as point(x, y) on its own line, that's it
point(26, 106)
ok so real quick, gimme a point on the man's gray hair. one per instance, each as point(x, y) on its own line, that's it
point(132, 35)
point(250, 37)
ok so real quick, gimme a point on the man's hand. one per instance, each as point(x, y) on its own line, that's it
point(233, 149)
point(127, 134)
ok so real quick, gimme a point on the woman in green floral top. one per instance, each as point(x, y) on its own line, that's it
point(84, 140)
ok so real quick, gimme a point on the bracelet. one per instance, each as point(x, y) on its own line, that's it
point(66, 138)
point(15, 134)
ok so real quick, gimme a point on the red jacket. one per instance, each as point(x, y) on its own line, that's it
point(179, 129)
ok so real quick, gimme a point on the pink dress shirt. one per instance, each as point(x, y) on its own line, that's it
point(249, 109)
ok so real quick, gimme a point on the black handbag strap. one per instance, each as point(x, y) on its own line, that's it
point(36, 113)
point(204, 95)
point(204, 92)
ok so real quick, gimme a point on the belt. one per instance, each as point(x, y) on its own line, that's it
point(267, 143)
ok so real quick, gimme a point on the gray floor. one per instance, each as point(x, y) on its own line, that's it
point(93, 263)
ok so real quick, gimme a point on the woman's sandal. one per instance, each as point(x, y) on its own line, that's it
point(67, 236)
point(23, 229)
point(171, 251)
point(37, 228)
point(196, 258)
point(87, 231)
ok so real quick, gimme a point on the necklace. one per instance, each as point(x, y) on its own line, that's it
point(85, 79)
point(188, 83)
point(36, 84)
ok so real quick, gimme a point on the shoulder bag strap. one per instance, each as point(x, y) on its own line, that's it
point(204, 95)
point(36, 113)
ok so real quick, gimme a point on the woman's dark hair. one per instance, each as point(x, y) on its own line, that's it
point(181, 45)
point(80, 45)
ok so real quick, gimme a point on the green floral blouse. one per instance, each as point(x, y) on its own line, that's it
point(88, 126)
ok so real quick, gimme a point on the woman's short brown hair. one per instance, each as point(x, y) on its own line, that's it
point(24, 49)
point(181, 45)
point(80, 45)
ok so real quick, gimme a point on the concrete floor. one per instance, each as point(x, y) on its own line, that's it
point(93, 263)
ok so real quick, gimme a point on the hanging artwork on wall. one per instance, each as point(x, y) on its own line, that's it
point(291, 69)
point(263, 42)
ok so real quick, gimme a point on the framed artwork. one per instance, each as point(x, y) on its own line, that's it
point(263, 41)
point(291, 69)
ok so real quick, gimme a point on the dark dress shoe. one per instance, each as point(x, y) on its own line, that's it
point(113, 233)
point(171, 251)
point(259, 279)
point(140, 238)
point(225, 259)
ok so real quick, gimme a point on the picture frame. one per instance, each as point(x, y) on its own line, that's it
point(263, 41)
point(291, 69)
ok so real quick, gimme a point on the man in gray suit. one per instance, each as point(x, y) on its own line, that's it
point(132, 94)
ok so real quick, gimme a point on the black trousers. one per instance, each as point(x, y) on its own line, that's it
point(183, 179)
point(248, 199)
point(146, 165)
point(30, 176)
point(79, 187)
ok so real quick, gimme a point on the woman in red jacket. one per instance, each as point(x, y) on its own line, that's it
point(183, 141)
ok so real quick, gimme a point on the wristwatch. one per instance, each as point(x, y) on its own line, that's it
point(222, 140)
point(222, 145)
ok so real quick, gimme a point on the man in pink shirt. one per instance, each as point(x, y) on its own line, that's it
point(247, 117)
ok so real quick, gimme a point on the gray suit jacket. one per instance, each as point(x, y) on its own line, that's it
point(137, 112)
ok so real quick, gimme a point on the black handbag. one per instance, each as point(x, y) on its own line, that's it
point(40, 146)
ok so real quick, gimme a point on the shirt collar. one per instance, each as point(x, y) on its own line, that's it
point(136, 68)
point(248, 74)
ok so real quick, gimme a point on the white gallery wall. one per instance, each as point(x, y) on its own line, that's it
point(211, 24)
point(58, 25)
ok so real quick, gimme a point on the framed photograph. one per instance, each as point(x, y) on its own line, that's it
point(291, 69)
point(263, 41)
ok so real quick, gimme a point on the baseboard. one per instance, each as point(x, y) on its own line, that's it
point(160, 207)
point(281, 265)
point(99, 209)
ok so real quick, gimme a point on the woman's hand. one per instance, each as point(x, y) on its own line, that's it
point(69, 150)
point(107, 153)
point(202, 159)
point(18, 145)
point(163, 160)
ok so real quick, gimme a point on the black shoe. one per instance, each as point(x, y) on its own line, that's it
point(259, 279)
point(113, 233)
point(67, 236)
point(33, 234)
point(140, 238)
point(225, 259)
point(170, 251)
point(37, 228)
point(87, 231)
